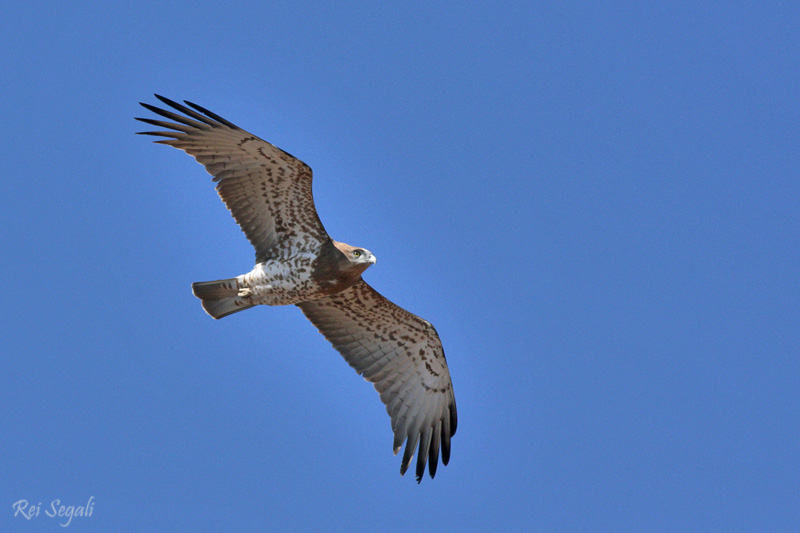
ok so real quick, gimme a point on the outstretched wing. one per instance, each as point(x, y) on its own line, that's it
point(267, 191)
point(401, 354)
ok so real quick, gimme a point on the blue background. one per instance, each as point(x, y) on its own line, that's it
point(595, 203)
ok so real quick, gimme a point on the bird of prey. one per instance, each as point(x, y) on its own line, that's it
point(268, 192)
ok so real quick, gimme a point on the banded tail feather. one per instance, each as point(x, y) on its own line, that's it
point(220, 298)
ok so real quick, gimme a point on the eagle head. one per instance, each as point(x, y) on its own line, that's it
point(355, 260)
point(340, 266)
point(355, 255)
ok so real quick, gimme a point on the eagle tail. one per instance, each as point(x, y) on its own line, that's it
point(220, 298)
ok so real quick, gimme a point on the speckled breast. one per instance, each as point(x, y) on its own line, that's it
point(281, 282)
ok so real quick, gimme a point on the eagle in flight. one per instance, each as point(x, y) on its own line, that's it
point(268, 192)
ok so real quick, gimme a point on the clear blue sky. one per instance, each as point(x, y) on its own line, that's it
point(595, 203)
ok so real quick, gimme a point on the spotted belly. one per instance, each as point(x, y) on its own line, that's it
point(277, 282)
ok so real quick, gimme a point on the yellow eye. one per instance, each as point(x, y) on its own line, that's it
point(356, 253)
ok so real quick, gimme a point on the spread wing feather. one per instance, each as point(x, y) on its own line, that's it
point(267, 190)
point(402, 356)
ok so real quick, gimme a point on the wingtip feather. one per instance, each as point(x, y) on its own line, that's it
point(211, 114)
point(422, 453)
